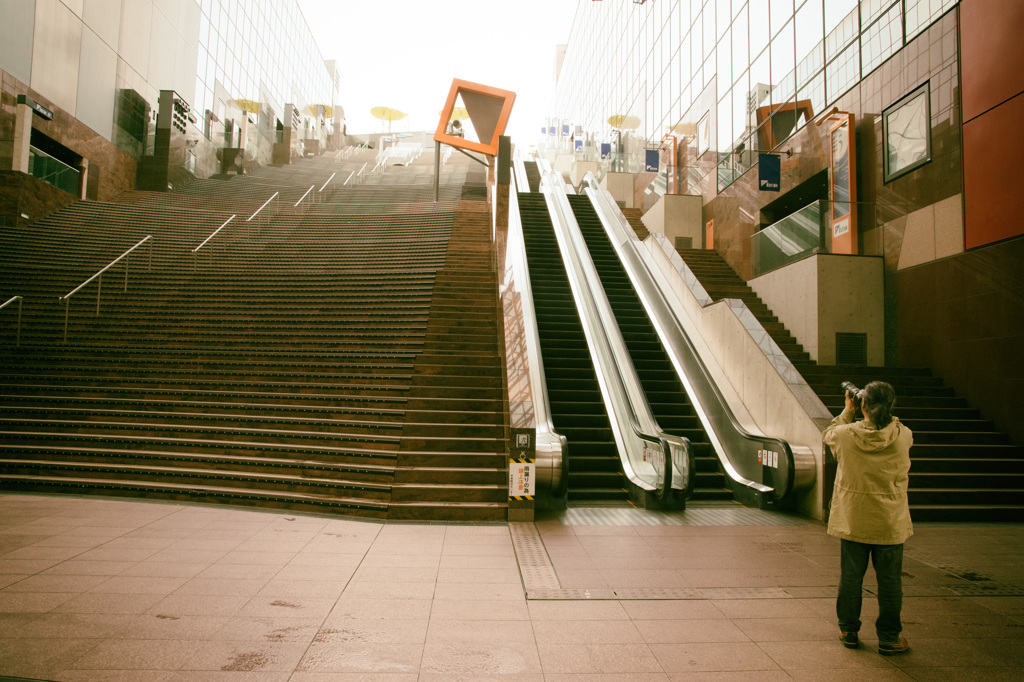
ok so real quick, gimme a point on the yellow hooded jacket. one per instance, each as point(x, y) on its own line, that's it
point(869, 501)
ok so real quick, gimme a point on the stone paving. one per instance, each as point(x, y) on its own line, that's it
point(104, 589)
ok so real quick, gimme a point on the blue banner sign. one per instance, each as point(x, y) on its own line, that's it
point(606, 150)
point(769, 172)
point(651, 163)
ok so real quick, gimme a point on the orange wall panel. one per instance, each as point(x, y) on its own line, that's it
point(991, 53)
point(993, 201)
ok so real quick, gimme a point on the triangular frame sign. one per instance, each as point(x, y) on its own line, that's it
point(488, 110)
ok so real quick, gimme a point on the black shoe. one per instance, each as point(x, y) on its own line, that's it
point(849, 640)
point(891, 648)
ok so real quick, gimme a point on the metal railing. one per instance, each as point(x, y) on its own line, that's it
point(308, 195)
point(259, 210)
point(195, 251)
point(531, 405)
point(741, 447)
point(66, 298)
point(655, 462)
point(9, 302)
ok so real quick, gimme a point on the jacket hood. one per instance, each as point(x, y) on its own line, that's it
point(870, 439)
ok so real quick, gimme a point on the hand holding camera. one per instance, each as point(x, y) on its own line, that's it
point(853, 395)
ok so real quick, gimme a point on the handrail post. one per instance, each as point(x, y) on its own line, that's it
point(99, 288)
point(18, 334)
point(67, 304)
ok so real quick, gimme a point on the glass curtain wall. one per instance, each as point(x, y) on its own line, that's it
point(256, 56)
point(730, 77)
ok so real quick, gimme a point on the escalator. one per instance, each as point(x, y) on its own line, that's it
point(664, 391)
point(577, 409)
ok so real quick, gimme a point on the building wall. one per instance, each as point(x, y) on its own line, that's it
point(964, 317)
point(993, 108)
point(101, 64)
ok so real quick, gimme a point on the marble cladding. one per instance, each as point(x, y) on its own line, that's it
point(933, 57)
point(112, 169)
point(756, 378)
point(24, 194)
point(964, 317)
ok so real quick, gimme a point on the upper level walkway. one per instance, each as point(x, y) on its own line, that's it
point(104, 589)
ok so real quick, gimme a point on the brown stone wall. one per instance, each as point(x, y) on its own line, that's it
point(932, 56)
point(964, 317)
point(24, 194)
point(114, 170)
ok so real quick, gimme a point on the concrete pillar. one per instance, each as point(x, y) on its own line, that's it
point(22, 137)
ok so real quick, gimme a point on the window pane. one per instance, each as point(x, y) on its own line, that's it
point(836, 11)
point(842, 35)
point(882, 39)
point(810, 55)
point(783, 78)
point(758, 26)
point(781, 12)
point(740, 60)
point(842, 73)
point(724, 64)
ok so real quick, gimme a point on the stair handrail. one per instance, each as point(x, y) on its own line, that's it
point(304, 196)
point(66, 298)
point(257, 212)
point(195, 251)
point(9, 302)
point(549, 445)
point(654, 461)
point(742, 449)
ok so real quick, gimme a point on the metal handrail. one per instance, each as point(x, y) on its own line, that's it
point(641, 440)
point(550, 447)
point(348, 178)
point(326, 183)
point(10, 301)
point(66, 298)
point(195, 250)
point(274, 196)
point(737, 444)
point(304, 196)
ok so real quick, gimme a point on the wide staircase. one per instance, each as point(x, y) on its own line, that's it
point(962, 468)
point(338, 353)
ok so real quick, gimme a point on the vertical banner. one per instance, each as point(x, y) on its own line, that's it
point(565, 130)
point(769, 172)
point(843, 186)
point(651, 161)
point(606, 150)
point(709, 234)
point(578, 144)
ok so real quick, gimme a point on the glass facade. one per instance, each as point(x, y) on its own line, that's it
point(761, 70)
point(255, 56)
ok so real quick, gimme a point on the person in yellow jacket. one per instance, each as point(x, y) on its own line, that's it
point(870, 511)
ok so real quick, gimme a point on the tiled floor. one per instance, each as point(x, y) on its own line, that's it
point(101, 589)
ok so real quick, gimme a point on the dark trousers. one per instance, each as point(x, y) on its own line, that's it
point(888, 563)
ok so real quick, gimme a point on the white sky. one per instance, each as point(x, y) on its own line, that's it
point(404, 54)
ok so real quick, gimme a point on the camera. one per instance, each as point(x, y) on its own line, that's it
point(851, 390)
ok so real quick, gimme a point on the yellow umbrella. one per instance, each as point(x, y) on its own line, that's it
point(624, 122)
point(458, 114)
point(387, 114)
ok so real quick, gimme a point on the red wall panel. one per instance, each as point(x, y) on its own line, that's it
point(991, 53)
point(993, 150)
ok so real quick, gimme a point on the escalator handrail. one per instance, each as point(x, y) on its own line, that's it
point(547, 441)
point(622, 391)
point(671, 331)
